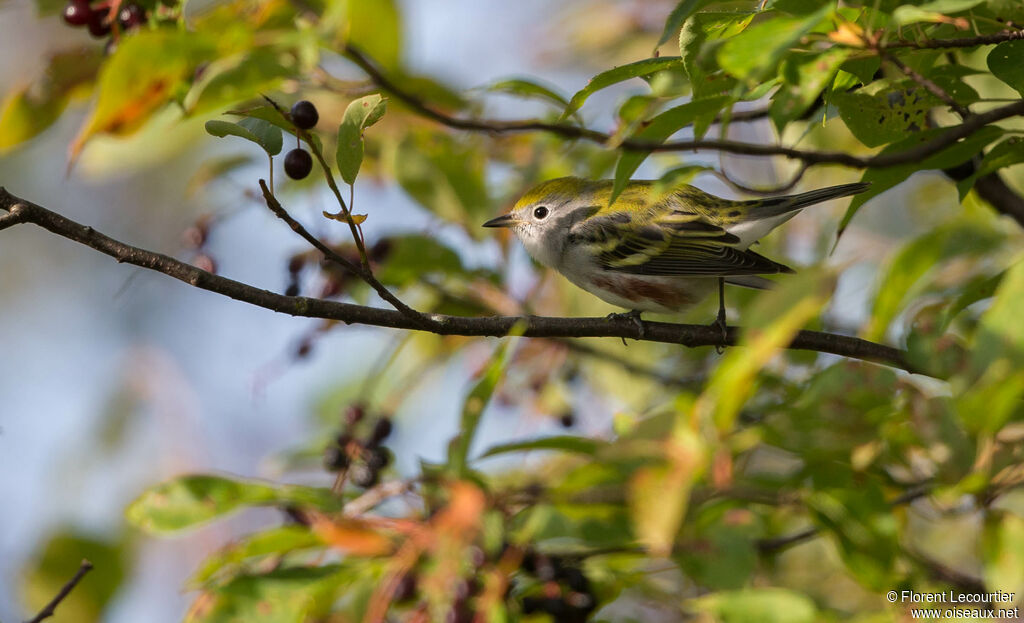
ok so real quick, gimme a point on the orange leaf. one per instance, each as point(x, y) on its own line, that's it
point(352, 536)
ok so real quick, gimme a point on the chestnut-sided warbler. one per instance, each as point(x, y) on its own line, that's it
point(647, 252)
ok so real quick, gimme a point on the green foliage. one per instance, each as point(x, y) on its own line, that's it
point(251, 129)
point(360, 114)
point(188, 501)
point(709, 463)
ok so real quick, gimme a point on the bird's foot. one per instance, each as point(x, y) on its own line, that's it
point(635, 317)
point(720, 323)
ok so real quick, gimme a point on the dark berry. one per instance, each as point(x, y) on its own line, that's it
point(354, 414)
point(98, 26)
point(379, 251)
point(297, 163)
point(377, 458)
point(532, 604)
point(292, 289)
point(575, 580)
point(305, 347)
point(363, 476)
point(295, 264)
point(304, 114)
point(567, 419)
point(335, 458)
point(77, 13)
point(381, 430)
point(459, 614)
point(554, 606)
point(406, 588)
point(545, 569)
point(131, 15)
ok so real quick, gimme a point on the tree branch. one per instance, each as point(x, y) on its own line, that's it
point(65, 590)
point(967, 42)
point(935, 145)
point(21, 211)
point(362, 270)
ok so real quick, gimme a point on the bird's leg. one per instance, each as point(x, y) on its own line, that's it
point(720, 319)
point(633, 315)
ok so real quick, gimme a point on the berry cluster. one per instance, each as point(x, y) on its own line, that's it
point(565, 592)
point(362, 460)
point(463, 593)
point(297, 162)
point(100, 19)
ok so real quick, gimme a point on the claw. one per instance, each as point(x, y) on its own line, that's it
point(635, 317)
point(720, 319)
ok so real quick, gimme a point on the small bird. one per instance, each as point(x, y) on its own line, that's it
point(647, 252)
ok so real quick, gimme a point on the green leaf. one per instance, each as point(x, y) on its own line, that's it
point(900, 282)
point(1005, 62)
point(699, 39)
point(776, 317)
point(673, 178)
point(806, 76)
point(657, 130)
point(1006, 154)
point(884, 179)
point(146, 71)
point(529, 88)
point(675, 20)
point(754, 54)
point(1003, 552)
point(411, 257)
point(473, 410)
point(1001, 333)
point(375, 27)
point(863, 68)
point(258, 131)
point(360, 114)
point(235, 79)
point(564, 443)
point(273, 117)
point(446, 176)
point(865, 529)
point(27, 111)
point(757, 605)
point(287, 595)
point(191, 500)
point(978, 289)
point(271, 542)
point(935, 11)
point(888, 115)
point(618, 74)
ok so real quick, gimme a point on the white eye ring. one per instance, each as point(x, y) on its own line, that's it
point(540, 213)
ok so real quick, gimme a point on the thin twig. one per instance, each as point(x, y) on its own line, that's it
point(21, 211)
point(65, 590)
point(967, 42)
point(775, 190)
point(914, 154)
point(928, 85)
point(362, 271)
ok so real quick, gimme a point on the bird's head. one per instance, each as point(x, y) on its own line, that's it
point(543, 215)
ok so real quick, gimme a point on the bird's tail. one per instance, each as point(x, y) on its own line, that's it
point(774, 206)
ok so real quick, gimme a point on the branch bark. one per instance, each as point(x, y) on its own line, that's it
point(65, 590)
point(21, 211)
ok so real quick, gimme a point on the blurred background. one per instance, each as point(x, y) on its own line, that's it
point(116, 378)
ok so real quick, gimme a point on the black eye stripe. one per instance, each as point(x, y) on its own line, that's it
point(540, 212)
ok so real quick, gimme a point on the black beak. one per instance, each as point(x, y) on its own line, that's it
point(505, 220)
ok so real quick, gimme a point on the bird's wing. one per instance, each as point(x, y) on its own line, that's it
point(667, 240)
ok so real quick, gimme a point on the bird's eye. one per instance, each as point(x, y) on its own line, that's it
point(540, 212)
